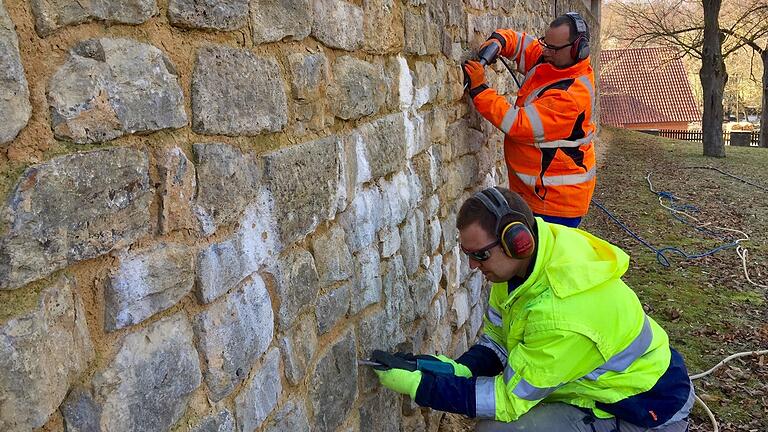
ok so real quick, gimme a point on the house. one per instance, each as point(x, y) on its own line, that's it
point(645, 89)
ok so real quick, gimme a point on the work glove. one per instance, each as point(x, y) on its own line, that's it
point(458, 369)
point(491, 41)
point(474, 73)
point(395, 374)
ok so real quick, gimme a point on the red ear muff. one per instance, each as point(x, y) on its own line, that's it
point(517, 240)
point(576, 47)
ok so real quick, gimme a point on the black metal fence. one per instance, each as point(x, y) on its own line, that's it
point(736, 138)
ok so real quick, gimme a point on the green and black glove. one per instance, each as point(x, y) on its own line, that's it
point(396, 373)
point(456, 369)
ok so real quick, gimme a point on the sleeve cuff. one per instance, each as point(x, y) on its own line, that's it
point(477, 90)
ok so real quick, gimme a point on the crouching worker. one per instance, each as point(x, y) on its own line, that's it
point(566, 343)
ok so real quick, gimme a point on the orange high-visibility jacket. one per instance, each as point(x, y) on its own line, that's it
point(548, 144)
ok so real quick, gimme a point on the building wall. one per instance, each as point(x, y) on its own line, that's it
point(210, 212)
point(656, 126)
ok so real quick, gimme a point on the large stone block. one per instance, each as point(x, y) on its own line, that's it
point(381, 412)
point(235, 92)
point(42, 353)
point(425, 285)
point(232, 334)
point(291, 417)
point(358, 88)
point(274, 20)
point(227, 182)
point(297, 285)
point(396, 199)
point(412, 234)
point(382, 26)
point(148, 385)
point(299, 346)
point(367, 288)
point(332, 307)
point(384, 144)
point(460, 308)
point(209, 15)
point(336, 375)
point(113, 87)
point(397, 295)
point(15, 108)
point(309, 75)
point(338, 24)
point(146, 283)
point(306, 182)
point(52, 15)
point(362, 219)
point(73, 208)
point(178, 185)
point(80, 411)
point(332, 257)
point(223, 421)
point(259, 398)
point(422, 35)
point(462, 140)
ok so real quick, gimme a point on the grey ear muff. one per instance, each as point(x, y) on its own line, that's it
point(516, 237)
point(580, 48)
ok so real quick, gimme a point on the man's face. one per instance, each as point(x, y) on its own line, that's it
point(558, 37)
point(498, 267)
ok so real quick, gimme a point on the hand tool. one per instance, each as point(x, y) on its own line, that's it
point(434, 366)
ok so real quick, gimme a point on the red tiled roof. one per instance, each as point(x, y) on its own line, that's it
point(644, 85)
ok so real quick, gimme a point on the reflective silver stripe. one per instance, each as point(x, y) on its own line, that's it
point(509, 119)
point(559, 180)
point(526, 44)
point(509, 373)
point(533, 117)
point(684, 412)
point(500, 351)
point(566, 143)
point(534, 94)
point(524, 390)
point(584, 80)
point(485, 397)
point(494, 317)
point(519, 46)
point(628, 355)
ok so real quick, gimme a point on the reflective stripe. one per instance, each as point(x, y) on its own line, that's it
point(684, 412)
point(509, 373)
point(509, 119)
point(526, 44)
point(566, 143)
point(527, 391)
point(519, 46)
point(628, 355)
point(494, 317)
point(558, 180)
point(500, 351)
point(536, 126)
point(584, 80)
point(485, 397)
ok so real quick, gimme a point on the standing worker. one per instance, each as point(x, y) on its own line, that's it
point(566, 344)
point(548, 144)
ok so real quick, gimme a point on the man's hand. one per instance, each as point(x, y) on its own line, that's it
point(394, 373)
point(475, 73)
point(458, 369)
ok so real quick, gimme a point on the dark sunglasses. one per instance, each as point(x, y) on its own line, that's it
point(553, 47)
point(480, 254)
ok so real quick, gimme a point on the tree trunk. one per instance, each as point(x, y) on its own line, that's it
point(764, 106)
point(713, 78)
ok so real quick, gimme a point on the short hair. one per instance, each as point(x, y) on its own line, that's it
point(474, 211)
point(573, 32)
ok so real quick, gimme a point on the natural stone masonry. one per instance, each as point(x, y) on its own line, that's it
point(297, 285)
point(233, 334)
point(382, 26)
point(146, 283)
point(332, 257)
point(259, 397)
point(333, 387)
point(298, 347)
point(80, 411)
point(51, 15)
point(15, 108)
point(148, 385)
point(109, 87)
point(291, 417)
point(274, 20)
point(210, 15)
point(42, 353)
point(332, 307)
point(309, 72)
point(235, 92)
point(367, 287)
point(357, 89)
point(383, 144)
point(221, 422)
point(338, 24)
point(73, 208)
point(178, 184)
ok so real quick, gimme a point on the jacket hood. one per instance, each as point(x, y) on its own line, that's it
point(578, 261)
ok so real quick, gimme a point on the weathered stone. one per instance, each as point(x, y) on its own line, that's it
point(457, 175)
point(221, 422)
point(434, 233)
point(336, 375)
point(298, 347)
point(412, 234)
point(338, 24)
point(367, 288)
point(80, 412)
point(416, 136)
point(332, 307)
point(178, 184)
point(42, 353)
point(397, 296)
point(311, 116)
point(259, 397)
point(399, 82)
point(390, 241)
point(362, 219)
point(382, 26)
point(52, 15)
point(462, 139)
point(459, 344)
point(235, 92)
point(113, 87)
point(381, 412)
point(377, 331)
point(146, 283)
point(425, 84)
point(222, 266)
point(475, 323)
point(297, 285)
point(427, 167)
point(306, 182)
point(460, 308)
point(450, 233)
point(480, 26)
point(475, 283)
point(73, 208)
point(396, 199)
point(206, 14)
point(232, 334)
point(309, 75)
point(149, 383)
point(421, 34)
point(425, 285)
point(291, 417)
point(15, 108)
point(332, 257)
point(274, 20)
point(384, 143)
point(227, 182)
point(357, 89)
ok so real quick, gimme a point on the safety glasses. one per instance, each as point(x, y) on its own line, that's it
point(480, 254)
point(552, 47)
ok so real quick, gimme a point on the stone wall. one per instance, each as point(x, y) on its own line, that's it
point(212, 208)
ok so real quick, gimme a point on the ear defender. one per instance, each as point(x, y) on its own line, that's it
point(517, 241)
point(580, 47)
